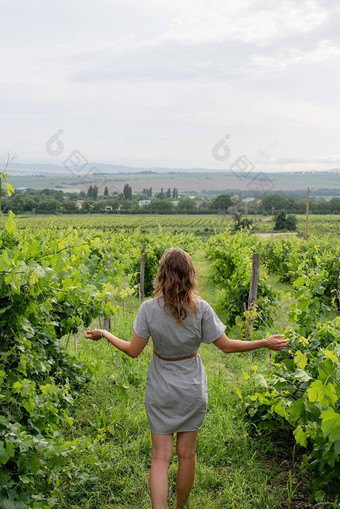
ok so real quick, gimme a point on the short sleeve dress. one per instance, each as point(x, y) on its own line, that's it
point(176, 392)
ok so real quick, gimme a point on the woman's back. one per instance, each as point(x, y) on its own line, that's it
point(171, 339)
point(176, 392)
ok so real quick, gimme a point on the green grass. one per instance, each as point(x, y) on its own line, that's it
point(205, 287)
point(234, 470)
point(286, 298)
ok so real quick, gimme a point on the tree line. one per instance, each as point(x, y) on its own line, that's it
point(55, 201)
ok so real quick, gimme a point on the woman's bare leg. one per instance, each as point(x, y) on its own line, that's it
point(161, 455)
point(186, 451)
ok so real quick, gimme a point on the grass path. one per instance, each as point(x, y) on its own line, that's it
point(234, 470)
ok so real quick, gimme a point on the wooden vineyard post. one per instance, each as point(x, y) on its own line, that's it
point(68, 339)
point(75, 343)
point(107, 320)
point(246, 331)
point(252, 297)
point(142, 274)
point(272, 222)
point(255, 271)
point(107, 323)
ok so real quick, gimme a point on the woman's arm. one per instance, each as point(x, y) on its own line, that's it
point(132, 348)
point(235, 345)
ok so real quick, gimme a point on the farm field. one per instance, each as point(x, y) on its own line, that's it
point(74, 433)
point(144, 221)
point(197, 223)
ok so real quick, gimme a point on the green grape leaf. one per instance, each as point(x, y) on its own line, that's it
point(296, 409)
point(5, 262)
point(36, 274)
point(331, 356)
point(29, 405)
point(16, 387)
point(320, 393)
point(318, 288)
point(325, 369)
point(337, 447)
point(302, 304)
point(300, 436)
point(300, 359)
point(6, 452)
point(34, 464)
point(10, 225)
point(302, 375)
point(10, 189)
point(280, 409)
point(109, 309)
point(299, 281)
point(13, 280)
point(330, 424)
point(260, 380)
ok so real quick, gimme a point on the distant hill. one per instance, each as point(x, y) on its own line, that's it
point(193, 180)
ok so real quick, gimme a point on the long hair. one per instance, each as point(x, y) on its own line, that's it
point(175, 282)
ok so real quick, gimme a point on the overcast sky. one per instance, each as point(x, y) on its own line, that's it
point(159, 83)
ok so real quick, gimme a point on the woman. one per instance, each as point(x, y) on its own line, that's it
point(176, 388)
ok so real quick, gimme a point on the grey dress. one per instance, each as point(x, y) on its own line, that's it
point(176, 392)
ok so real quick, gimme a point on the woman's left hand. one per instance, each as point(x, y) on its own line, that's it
point(94, 334)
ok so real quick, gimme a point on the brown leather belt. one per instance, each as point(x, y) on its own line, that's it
point(176, 358)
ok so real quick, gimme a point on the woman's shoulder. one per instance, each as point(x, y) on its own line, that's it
point(202, 304)
point(150, 303)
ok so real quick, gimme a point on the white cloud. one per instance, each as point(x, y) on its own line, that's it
point(248, 21)
point(324, 50)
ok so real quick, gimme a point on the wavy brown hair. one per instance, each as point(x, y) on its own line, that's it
point(176, 282)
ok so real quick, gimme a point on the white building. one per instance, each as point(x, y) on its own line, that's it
point(141, 203)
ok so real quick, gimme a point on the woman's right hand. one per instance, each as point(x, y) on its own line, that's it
point(275, 343)
point(94, 334)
